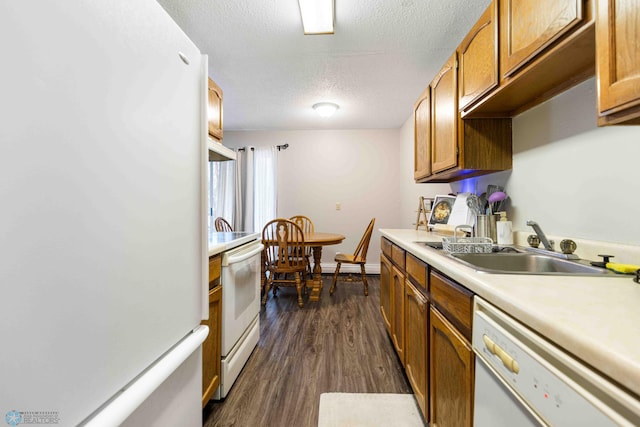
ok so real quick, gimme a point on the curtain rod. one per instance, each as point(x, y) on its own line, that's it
point(279, 147)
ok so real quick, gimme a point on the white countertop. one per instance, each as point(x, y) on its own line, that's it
point(595, 319)
point(220, 242)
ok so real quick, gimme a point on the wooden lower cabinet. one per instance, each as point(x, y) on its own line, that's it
point(211, 348)
point(451, 368)
point(618, 61)
point(416, 308)
point(385, 291)
point(397, 312)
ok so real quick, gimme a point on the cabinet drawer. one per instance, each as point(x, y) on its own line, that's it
point(417, 271)
point(397, 256)
point(215, 265)
point(454, 301)
point(385, 246)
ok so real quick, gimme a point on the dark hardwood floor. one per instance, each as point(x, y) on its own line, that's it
point(338, 344)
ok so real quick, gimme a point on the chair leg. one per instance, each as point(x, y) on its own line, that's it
point(299, 288)
point(335, 280)
point(267, 286)
point(364, 280)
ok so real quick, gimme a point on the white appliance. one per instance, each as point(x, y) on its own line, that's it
point(523, 380)
point(102, 154)
point(240, 311)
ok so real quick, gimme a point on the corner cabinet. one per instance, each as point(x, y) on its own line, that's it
point(214, 110)
point(618, 67)
point(211, 348)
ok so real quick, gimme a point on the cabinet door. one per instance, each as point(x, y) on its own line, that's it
point(397, 312)
point(478, 58)
point(618, 56)
point(528, 26)
point(422, 136)
point(385, 291)
point(211, 348)
point(451, 374)
point(444, 118)
point(214, 112)
point(416, 323)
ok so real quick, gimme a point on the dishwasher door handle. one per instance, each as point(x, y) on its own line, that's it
point(509, 362)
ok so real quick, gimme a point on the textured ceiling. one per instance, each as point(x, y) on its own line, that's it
point(381, 57)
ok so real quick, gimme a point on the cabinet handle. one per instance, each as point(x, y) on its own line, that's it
point(508, 361)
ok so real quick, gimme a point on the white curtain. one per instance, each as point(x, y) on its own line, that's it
point(221, 191)
point(243, 218)
point(265, 186)
point(256, 188)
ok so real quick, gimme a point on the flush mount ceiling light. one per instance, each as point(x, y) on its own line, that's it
point(325, 109)
point(317, 16)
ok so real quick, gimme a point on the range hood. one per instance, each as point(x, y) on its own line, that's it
point(218, 152)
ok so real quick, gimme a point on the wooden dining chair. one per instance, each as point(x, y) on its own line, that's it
point(358, 257)
point(283, 241)
point(306, 225)
point(221, 224)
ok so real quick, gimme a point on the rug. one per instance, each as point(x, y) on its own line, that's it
point(368, 410)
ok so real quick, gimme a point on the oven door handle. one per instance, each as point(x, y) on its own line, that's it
point(242, 256)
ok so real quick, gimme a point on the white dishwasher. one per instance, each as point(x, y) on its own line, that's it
point(523, 380)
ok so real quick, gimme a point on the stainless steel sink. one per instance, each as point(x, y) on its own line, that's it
point(528, 263)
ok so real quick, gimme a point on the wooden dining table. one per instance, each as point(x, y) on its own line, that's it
point(316, 240)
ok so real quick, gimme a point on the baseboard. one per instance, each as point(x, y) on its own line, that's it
point(330, 268)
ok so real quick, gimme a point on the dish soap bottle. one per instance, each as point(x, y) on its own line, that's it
point(505, 230)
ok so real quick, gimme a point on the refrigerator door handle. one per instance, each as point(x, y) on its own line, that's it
point(116, 411)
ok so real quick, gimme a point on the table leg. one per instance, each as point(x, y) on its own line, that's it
point(317, 274)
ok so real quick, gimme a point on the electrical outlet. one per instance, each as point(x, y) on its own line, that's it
point(338, 206)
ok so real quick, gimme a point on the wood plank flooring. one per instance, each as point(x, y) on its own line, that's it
point(338, 344)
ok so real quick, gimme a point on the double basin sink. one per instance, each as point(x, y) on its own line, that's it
point(521, 261)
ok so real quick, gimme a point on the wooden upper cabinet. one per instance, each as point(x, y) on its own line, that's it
point(214, 111)
point(444, 117)
point(478, 58)
point(528, 26)
point(422, 135)
point(618, 65)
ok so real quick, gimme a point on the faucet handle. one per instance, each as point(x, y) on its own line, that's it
point(603, 263)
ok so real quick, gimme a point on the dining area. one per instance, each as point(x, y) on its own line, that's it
point(292, 257)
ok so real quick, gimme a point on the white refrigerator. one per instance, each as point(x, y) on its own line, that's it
point(102, 230)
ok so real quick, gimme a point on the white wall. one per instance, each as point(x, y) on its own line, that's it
point(573, 178)
point(357, 168)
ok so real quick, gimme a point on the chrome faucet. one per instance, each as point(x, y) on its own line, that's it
point(545, 242)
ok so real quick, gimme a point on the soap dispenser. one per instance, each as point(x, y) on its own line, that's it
point(505, 230)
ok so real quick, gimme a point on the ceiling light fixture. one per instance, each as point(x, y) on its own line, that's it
point(317, 16)
point(325, 109)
